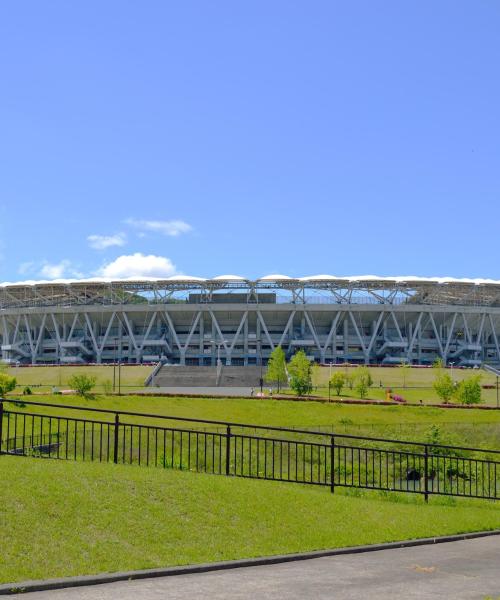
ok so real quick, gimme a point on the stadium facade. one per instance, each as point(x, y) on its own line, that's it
point(195, 321)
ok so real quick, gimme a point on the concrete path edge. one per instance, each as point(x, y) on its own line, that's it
point(67, 582)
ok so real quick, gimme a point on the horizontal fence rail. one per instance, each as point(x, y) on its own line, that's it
point(252, 451)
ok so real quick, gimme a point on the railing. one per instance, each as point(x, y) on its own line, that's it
point(244, 450)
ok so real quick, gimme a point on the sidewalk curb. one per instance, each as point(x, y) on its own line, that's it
point(67, 582)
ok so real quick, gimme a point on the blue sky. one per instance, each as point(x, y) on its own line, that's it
point(249, 138)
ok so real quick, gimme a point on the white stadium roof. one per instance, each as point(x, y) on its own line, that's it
point(274, 278)
point(408, 289)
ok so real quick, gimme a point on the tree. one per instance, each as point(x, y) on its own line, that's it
point(349, 380)
point(276, 367)
point(444, 387)
point(468, 391)
point(337, 381)
point(364, 374)
point(299, 369)
point(7, 384)
point(362, 381)
point(82, 384)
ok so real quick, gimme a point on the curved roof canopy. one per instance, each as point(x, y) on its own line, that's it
point(98, 290)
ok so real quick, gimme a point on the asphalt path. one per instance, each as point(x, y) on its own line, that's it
point(203, 391)
point(456, 570)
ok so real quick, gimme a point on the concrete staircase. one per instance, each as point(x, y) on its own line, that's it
point(182, 376)
point(240, 377)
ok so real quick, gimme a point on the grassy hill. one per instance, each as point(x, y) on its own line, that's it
point(460, 426)
point(44, 378)
point(63, 518)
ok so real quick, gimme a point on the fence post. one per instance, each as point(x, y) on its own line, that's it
point(332, 464)
point(1, 424)
point(228, 449)
point(115, 449)
point(426, 474)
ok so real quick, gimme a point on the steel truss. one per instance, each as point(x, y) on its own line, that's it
point(307, 290)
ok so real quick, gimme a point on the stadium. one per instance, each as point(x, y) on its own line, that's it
point(195, 321)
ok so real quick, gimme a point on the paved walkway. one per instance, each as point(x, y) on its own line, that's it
point(204, 391)
point(456, 570)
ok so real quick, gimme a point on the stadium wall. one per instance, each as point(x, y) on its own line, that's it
point(245, 333)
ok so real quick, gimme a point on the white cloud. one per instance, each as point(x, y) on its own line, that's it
point(101, 242)
point(170, 228)
point(59, 270)
point(138, 265)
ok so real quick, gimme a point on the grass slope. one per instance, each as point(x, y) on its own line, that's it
point(472, 427)
point(61, 519)
point(43, 378)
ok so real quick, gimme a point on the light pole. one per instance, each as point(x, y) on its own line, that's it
point(329, 379)
point(497, 391)
point(120, 372)
point(115, 340)
point(218, 343)
point(119, 367)
point(259, 341)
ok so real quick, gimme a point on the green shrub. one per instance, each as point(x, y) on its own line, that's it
point(7, 384)
point(468, 391)
point(444, 387)
point(82, 384)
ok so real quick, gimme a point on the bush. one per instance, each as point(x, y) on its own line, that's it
point(82, 384)
point(444, 387)
point(7, 384)
point(468, 391)
point(398, 398)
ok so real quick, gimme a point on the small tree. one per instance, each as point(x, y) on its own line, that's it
point(468, 391)
point(444, 387)
point(82, 384)
point(299, 369)
point(361, 388)
point(364, 373)
point(349, 380)
point(363, 381)
point(276, 367)
point(337, 381)
point(7, 384)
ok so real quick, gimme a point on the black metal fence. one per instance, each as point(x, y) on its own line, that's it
point(274, 453)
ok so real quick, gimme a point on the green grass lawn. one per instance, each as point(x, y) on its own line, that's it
point(413, 384)
point(471, 427)
point(63, 518)
point(406, 377)
point(44, 378)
